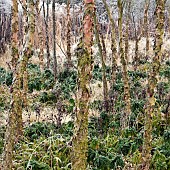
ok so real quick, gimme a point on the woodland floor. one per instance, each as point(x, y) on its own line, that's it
point(53, 103)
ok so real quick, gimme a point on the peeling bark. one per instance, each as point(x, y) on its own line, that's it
point(113, 45)
point(14, 126)
point(152, 83)
point(147, 2)
point(127, 101)
point(84, 54)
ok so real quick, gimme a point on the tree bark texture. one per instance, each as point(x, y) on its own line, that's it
point(102, 53)
point(14, 125)
point(54, 41)
point(68, 35)
point(40, 36)
point(113, 44)
point(46, 18)
point(84, 54)
point(127, 32)
point(124, 66)
point(152, 82)
point(146, 24)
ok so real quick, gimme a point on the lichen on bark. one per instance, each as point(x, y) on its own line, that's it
point(152, 83)
point(84, 56)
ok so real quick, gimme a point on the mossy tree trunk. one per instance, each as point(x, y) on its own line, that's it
point(127, 101)
point(138, 35)
point(127, 32)
point(29, 48)
point(84, 54)
point(152, 83)
point(102, 53)
point(14, 125)
point(113, 44)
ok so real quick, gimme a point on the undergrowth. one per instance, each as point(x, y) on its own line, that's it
point(47, 146)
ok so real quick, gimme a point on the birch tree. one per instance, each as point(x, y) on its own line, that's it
point(14, 126)
point(84, 54)
point(113, 43)
point(152, 82)
point(46, 19)
point(102, 54)
point(124, 65)
point(68, 35)
point(146, 24)
point(54, 41)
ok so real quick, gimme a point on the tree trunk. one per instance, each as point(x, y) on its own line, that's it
point(40, 37)
point(46, 16)
point(105, 87)
point(54, 41)
point(14, 125)
point(127, 111)
point(136, 58)
point(127, 32)
point(102, 53)
point(146, 28)
point(29, 49)
point(84, 54)
point(113, 45)
point(137, 39)
point(68, 35)
point(152, 83)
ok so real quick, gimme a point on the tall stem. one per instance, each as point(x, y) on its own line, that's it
point(102, 53)
point(84, 54)
point(152, 82)
point(54, 40)
point(68, 35)
point(113, 44)
point(124, 66)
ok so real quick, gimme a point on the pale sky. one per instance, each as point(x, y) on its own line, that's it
point(6, 5)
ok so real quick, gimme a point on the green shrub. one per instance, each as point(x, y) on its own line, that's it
point(47, 80)
point(36, 165)
point(47, 97)
point(165, 71)
point(2, 136)
point(97, 72)
point(5, 77)
point(67, 83)
point(159, 161)
point(38, 129)
point(39, 80)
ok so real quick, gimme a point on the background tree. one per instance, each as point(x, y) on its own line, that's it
point(128, 7)
point(40, 34)
point(113, 43)
point(68, 35)
point(46, 19)
point(54, 40)
point(146, 30)
point(102, 53)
